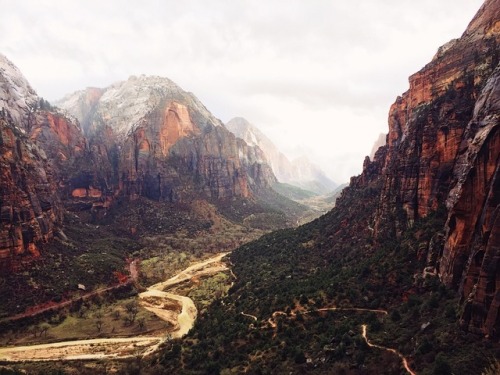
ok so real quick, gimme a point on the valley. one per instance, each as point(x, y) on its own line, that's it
point(139, 234)
point(178, 310)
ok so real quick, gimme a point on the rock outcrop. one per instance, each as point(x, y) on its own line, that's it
point(299, 172)
point(149, 137)
point(443, 153)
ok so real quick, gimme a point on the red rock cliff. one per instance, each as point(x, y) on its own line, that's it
point(30, 209)
point(443, 150)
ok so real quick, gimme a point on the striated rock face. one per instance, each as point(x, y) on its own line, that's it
point(300, 172)
point(149, 137)
point(30, 209)
point(443, 153)
point(39, 148)
point(471, 255)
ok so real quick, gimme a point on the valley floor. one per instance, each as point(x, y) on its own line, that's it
point(163, 304)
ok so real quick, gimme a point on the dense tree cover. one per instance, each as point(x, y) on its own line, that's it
point(284, 279)
point(273, 319)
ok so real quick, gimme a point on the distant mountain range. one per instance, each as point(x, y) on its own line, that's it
point(300, 172)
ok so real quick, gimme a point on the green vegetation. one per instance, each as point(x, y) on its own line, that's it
point(270, 321)
point(100, 317)
point(90, 255)
point(208, 290)
point(297, 271)
point(292, 192)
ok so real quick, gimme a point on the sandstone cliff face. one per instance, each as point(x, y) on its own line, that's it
point(39, 148)
point(30, 209)
point(470, 259)
point(149, 137)
point(443, 152)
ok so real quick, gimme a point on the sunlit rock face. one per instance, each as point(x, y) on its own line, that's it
point(152, 138)
point(443, 152)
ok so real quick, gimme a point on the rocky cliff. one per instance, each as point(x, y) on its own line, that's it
point(443, 152)
point(151, 138)
point(30, 209)
point(300, 172)
point(38, 146)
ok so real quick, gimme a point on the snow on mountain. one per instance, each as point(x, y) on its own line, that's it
point(124, 105)
point(17, 97)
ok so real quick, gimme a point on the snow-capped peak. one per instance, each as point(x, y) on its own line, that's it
point(124, 105)
point(17, 97)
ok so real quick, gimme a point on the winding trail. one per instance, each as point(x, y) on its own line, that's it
point(166, 306)
point(271, 321)
point(403, 359)
point(249, 315)
point(378, 311)
point(163, 304)
point(273, 324)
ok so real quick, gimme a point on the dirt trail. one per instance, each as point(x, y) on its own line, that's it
point(40, 309)
point(272, 322)
point(403, 359)
point(154, 299)
point(250, 316)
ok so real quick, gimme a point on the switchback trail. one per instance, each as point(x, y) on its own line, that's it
point(273, 324)
point(154, 299)
point(271, 321)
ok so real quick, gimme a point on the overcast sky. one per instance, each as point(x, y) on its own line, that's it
point(317, 76)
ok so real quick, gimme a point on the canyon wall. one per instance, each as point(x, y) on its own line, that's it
point(30, 208)
point(443, 154)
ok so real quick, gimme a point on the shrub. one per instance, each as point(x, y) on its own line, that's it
point(441, 366)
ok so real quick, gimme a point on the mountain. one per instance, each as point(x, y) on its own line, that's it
point(139, 159)
point(443, 153)
point(154, 139)
point(300, 172)
point(402, 275)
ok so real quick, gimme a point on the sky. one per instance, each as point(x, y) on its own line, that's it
point(316, 76)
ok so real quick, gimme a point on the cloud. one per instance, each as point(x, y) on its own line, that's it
point(317, 76)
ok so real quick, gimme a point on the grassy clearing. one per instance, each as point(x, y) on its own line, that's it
point(90, 321)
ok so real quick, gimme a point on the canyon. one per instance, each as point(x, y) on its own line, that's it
point(411, 248)
point(300, 172)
